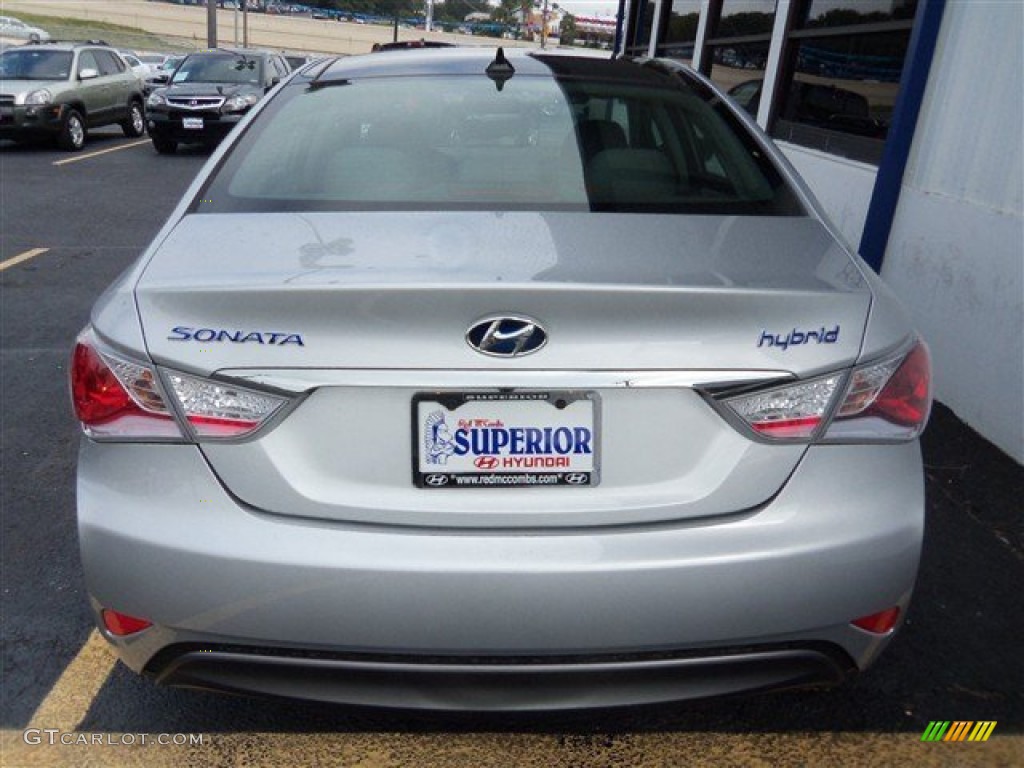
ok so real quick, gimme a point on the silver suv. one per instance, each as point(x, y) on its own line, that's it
point(60, 90)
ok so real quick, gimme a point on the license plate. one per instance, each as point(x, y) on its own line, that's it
point(192, 123)
point(505, 439)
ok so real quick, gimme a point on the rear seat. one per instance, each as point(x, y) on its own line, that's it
point(632, 175)
point(504, 173)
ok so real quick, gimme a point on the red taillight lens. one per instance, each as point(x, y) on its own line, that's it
point(906, 398)
point(117, 398)
point(802, 427)
point(97, 394)
point(880, 623)
point(890, 399)
point(122, 624)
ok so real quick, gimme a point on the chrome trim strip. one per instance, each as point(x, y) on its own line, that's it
point(303, 380)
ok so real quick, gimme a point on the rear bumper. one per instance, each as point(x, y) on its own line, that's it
point(499, 684)
point(161, 539)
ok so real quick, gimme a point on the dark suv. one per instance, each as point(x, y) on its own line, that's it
point(208, 94)
point(60, 90)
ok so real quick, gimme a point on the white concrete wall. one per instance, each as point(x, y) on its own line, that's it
point(956, 252)
point(843, 187)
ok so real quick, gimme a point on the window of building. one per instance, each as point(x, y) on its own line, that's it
point(739, 41)
point(841, 71)
point(679, 21)
point(642, 25)
point(840, 62)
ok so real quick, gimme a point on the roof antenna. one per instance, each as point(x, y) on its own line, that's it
point(500, 70)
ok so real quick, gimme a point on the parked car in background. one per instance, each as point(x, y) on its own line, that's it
point(161, 74)
point(153, 60)
point(61, 90)
point(465, 381)
point(209, 92)
point(298, 60)
point(12, 27)
point(140, 68)
point(823, 106)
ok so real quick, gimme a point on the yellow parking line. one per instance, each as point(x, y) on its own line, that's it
point(16, 260)
point(99, 152)
point(68, 702)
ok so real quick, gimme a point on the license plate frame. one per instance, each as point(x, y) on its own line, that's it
point(506, 439)
point(192, 123)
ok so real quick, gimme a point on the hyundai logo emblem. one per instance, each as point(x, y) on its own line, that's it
point(576, 478)
point(436, 480)
point(193, 103)
point(506, 336)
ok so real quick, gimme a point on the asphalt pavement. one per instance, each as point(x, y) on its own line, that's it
point(959, 658)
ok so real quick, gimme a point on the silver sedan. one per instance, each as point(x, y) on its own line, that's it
point(473, 381)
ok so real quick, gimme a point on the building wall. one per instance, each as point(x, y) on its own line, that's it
point(956, 251)
point(843, 187)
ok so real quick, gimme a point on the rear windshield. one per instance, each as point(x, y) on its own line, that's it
point(459, 142)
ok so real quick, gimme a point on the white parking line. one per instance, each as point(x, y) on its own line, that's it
point(99, 152)
point(16, 260)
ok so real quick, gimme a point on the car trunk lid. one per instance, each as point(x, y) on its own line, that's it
point(366, 314)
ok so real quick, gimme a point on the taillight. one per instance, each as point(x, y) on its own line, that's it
point(791, 412)
point(117, 398)
point(218, 409)
point(888, 399)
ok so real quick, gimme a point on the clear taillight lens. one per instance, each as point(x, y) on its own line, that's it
point(117, 398)
point(888, 399)
point(216, 409)
point(792, 412)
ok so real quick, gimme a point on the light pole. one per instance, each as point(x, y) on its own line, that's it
point(544, 25)
point(211, 23)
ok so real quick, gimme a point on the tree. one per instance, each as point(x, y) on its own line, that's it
point(567, 29)
point(506, 12)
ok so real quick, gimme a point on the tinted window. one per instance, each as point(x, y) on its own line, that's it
point(843, 92)
point(87, 60)
point(442, 143)
point(109, 63)
point(680, 30)
point(219, 68)
point(842, 13)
